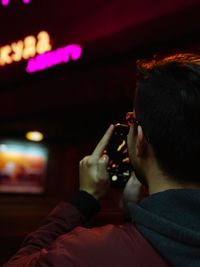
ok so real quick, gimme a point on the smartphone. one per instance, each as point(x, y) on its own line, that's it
point(119, 166)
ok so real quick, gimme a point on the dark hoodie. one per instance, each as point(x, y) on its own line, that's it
point(170, 221)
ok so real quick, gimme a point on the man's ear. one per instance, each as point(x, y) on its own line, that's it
point(141, 143)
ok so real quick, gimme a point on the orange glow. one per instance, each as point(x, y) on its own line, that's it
point(44, 43)
point(25, 49)
point(29, 47)
point(5, 55)
point(34, 136)
point(17, 49)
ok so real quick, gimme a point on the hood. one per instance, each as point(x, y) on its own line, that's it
point(170, 221)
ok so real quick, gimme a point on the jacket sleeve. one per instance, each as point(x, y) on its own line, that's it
point(61, 220)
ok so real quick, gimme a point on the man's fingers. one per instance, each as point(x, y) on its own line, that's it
point(102, 168)
point(97, 153)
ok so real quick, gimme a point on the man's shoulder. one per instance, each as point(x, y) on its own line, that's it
point(118, 245)
point(103, 234)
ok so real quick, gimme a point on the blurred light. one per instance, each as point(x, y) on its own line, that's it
point(3, 148)
point(7, 2)
point(35, 136)
point(121, 145)
point(25, 49)
point(114, 178)
point(44, 42)
point(29, 47)
point(126, 160)
point(26, 1)
point(58, 56)
point(17, 49)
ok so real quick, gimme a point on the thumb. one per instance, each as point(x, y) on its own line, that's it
point(132, 189)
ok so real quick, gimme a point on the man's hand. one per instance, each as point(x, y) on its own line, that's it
point(131, 191)
point(93, 174)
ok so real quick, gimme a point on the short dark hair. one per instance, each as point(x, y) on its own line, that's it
point(167, 104)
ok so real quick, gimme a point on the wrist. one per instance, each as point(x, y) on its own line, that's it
point(97, 194)
point(86, 204)
point(88, 191)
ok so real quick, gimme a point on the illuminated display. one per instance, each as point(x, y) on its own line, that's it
point(58, 56)
point(7, 2)
point(22, 167)
point(29, 47)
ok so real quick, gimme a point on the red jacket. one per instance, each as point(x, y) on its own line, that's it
point(62, 242)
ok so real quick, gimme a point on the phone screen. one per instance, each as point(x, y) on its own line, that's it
point(119, 166)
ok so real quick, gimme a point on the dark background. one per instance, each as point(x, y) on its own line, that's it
point(73, 104)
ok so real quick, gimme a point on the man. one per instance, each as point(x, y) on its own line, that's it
point(163, 145)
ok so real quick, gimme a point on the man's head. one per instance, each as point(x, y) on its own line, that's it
point(167, 106)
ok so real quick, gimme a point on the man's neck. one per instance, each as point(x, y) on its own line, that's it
point(163, 183)
point(158, 182)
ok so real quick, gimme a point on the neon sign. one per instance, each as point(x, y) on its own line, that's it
point(29, 47)
point(61, 55)
point(7, 2)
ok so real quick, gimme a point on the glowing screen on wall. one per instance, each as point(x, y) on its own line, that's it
point(22, 167)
